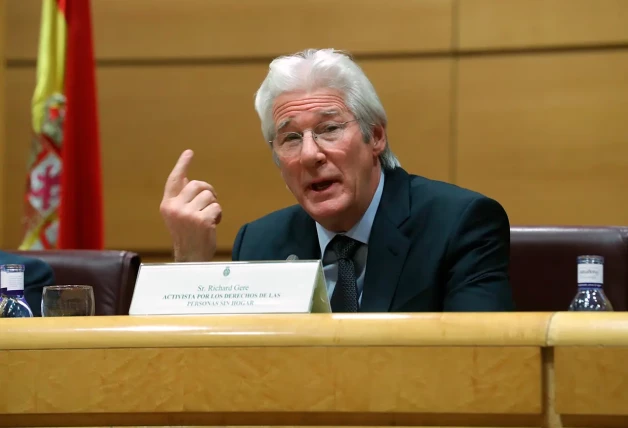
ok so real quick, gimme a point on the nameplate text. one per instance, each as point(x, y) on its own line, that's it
point(296, 286)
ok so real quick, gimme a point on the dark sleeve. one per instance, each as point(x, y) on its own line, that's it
point(478, 259)
point(37, 275)
point(235, 251)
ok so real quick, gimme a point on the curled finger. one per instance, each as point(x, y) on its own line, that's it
point(193, 189)
point(213, 213)
point(202, 200)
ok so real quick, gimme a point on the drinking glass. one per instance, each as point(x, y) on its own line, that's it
point(67, 301)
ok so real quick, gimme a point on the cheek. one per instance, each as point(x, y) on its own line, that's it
point(290, 174)
point(356, 162)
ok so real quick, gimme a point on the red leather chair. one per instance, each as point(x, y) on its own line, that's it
point(111, 273)
point(543, 264)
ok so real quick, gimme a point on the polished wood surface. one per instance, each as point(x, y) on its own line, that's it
point(414, 369)
point(607, 329)
point(553, 370)
point(591, 380)
point(590, 354)
point(328, 379)
point(451, 329)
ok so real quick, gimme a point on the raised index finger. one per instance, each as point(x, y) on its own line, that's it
point(178, 176)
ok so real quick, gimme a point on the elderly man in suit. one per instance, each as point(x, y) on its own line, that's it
point(389, 241)
point(37, 275)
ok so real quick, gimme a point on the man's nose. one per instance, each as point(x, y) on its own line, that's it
point(310, 151)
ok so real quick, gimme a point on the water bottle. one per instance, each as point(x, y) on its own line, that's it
point(590, 295)
point(2, 287)
point(13, 304)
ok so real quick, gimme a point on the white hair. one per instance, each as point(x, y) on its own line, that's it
point(326, 68)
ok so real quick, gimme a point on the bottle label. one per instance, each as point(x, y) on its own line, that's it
point(590, 273)
point(12, 281)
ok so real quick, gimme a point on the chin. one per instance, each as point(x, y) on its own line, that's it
point(326, 212)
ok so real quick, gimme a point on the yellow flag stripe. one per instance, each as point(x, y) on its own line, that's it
point(50, 59)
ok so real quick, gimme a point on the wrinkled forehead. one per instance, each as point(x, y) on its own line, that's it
point(292, 106)
point(319, 115)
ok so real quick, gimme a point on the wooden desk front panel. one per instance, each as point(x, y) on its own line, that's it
point(591, 380)
point(112, 383)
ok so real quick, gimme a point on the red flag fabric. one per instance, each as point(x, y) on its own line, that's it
point(81, 208)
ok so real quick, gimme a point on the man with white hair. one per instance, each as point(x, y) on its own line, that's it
point(389, 241)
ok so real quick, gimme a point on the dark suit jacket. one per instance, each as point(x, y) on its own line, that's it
point(433, 247)
point(37, 275)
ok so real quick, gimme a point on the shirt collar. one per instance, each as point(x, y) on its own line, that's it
point(362, 229)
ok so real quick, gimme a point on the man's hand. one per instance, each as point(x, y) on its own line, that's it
point(191, 212)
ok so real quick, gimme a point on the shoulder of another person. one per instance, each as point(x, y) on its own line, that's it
point(10, 258)
point(32, 265)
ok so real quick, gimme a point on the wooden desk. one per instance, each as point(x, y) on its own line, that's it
point(590, 353)
point(367, 369)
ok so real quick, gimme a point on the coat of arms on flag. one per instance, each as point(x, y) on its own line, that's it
point(43, 189)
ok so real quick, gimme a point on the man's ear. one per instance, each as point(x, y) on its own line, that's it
point(379, 140)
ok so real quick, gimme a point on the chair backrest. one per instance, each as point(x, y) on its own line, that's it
point(111, 273)
point(543, 264)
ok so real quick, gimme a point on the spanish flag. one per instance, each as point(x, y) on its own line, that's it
point(64, 184)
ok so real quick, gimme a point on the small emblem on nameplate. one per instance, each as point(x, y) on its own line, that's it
point(227, 271)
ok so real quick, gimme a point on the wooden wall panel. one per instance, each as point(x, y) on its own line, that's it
point(495, 24)
point(546, 135)
point(3, 154)
point(150, 114)
point(20, 84)
point(417, 97)
point(166, 29)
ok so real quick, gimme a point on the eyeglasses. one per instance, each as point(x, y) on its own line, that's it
point(325, 134)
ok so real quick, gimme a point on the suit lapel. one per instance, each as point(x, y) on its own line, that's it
point(306, 247)
point(388, 246)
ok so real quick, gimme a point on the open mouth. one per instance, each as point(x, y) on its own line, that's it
point(321, 185)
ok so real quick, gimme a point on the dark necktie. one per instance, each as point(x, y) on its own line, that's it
point(345, 296)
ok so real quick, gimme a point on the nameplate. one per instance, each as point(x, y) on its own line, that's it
point(230, 288)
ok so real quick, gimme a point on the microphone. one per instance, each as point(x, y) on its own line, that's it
point(292, 257)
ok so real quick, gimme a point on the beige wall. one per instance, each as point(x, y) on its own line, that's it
point(3, 154)
point(524, 100)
